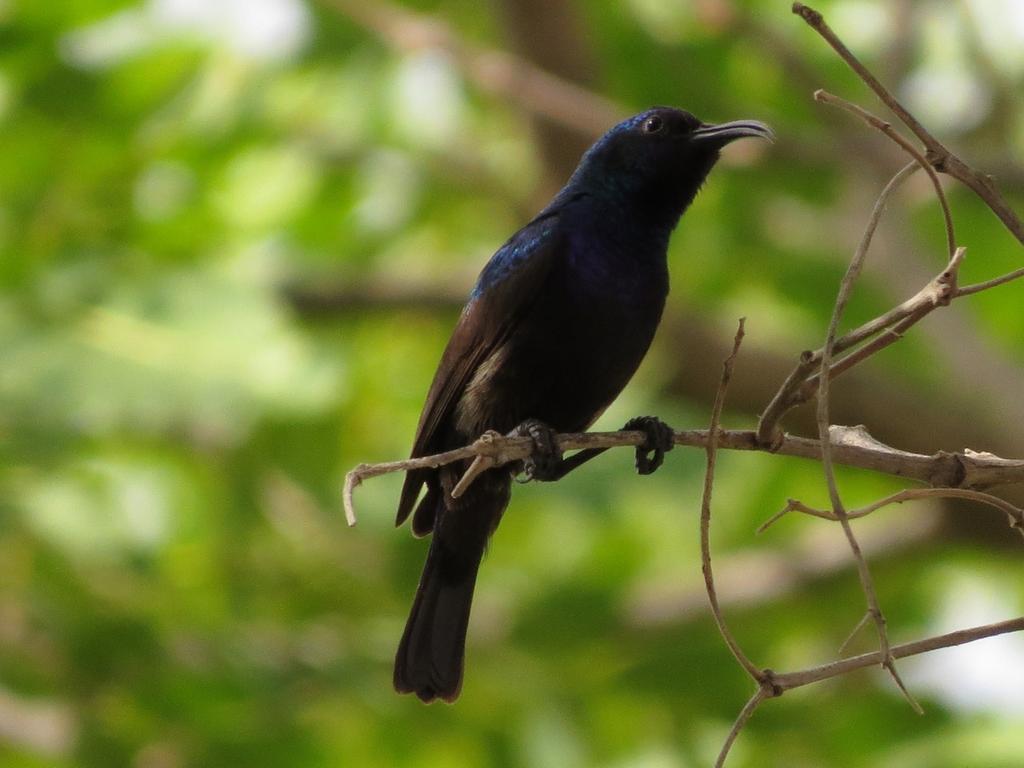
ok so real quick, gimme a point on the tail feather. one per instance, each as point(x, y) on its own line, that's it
point(430, 656)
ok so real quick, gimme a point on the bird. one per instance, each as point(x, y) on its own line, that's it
point(557, 323)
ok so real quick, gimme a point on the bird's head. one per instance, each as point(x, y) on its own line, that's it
point(658, 159)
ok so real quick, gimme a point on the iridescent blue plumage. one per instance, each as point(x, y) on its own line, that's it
point(557, 323)
point(513, 253)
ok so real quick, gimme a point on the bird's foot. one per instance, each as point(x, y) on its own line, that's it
point(651, 453)
point(546, 460)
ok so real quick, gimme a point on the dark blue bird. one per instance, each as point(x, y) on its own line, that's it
point(558, 322)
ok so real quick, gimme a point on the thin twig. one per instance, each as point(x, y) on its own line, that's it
point(938, 155)
point(864, 621)
point(741, 720)
point(787, 681)
point(801, 385)
point(817, 22)
point(705, 511)
point(828, 98)
point(768, 430)
point(775, 684)
point(781, 571)
point(798, 388)
point(1014, 514)
point(967, 290)
point(794, 389)
point(938, 293)
point(355, 476)
point(864, 573)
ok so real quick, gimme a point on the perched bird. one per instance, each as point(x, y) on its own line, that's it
point(558, 322)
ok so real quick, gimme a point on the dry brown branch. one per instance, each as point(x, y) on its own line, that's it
point(1014, 513)
point(800, 386)
point(705, 512)
point(763, 692)
point(828, 98)
point(773, 684)
point(851, 446)
point(940, 157)
point(802, 383)
point(939, 292)
point(794, 389)
point(790, 680)
point(967, 290)
point(839, 510)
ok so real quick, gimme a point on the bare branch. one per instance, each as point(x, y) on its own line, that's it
point(886, 128)
point(864, 621)
point(774, 684)
point(741, 720)
point(864, 573)
point(794, 389)
point(705, 513)
point(938, 155)
point(1014, 514)
point(807, 560)
point(967, 290)
point(851, 446)
point(769, 431)
point(801, 385)
point(790, 680)
point(817, 22)
point(938, 293)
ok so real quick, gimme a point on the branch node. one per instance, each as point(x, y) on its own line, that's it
point(769, 687)
point(811, 16)
point(936, 159)
point(949, 470)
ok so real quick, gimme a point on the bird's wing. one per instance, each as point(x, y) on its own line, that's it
point(503, 294)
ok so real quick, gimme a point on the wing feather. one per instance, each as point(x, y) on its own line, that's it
point(502, 297)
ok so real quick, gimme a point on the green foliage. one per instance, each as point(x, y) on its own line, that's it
point(177, 585)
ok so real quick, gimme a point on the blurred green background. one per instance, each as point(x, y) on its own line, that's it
point(234, 237)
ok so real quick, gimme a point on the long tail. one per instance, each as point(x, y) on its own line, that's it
point(430, 656)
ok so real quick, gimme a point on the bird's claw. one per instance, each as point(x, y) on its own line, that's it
point(659, 441)
point(543, 463)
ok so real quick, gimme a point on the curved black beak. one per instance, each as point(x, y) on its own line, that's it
point(721, 134)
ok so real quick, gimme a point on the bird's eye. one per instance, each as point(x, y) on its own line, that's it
point(653, 124)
